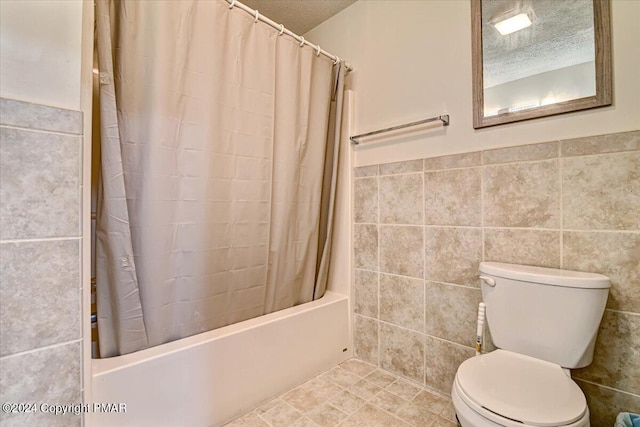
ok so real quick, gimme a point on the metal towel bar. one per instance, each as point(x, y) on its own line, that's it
point(443, 118)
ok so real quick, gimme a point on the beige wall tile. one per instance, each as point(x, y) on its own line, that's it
point(401, 167)
point(401, 250)
point(517, 246)
point(39, 184)
point(40, 294)
point(452, 255)
point(464, 160)
point(453, 197)
point(522, 195)
point(41, 117)
point(401, 199)
point(452, 312)
point(546, 150)
point(365, 339)
point(366, 293)
point(402, 301)
point(365, 200)
point(623, 141)
point(601, 192)
point(616, 255)
point(605, 403)
point(402, 352)
point(365, 246)
point(366, 171)
point(442, 359)
point(521, 187)
point(51, 375)
point(617, 355)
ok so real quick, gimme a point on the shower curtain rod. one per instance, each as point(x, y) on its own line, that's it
point(283, 30)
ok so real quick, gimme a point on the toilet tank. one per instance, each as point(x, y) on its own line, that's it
point(546, 313)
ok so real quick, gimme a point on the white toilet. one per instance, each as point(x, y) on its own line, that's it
point(544, 322)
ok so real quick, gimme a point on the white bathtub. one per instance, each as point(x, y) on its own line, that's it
point(208, 379)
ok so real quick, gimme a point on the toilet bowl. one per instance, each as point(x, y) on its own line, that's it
point(505, 389)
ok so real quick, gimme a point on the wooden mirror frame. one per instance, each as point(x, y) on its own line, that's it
point(603, 96)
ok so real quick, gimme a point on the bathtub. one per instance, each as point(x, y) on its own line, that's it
point(209, 379)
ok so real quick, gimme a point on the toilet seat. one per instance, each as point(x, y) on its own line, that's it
point(508, 387)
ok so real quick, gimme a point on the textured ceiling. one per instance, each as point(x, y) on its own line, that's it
point(561, 35)
point(298, 16)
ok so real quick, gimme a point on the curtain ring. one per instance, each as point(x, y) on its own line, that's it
point(336, 60)
point(257, 17)
point(301, 41)
point(281, 29)
point(318, 50)
point(233, 2)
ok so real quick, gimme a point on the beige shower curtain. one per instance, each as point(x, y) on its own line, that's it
point(218, 170)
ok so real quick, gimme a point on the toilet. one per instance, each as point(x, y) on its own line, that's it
point(543, 321)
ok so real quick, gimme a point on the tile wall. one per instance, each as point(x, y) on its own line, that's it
point(421, 228)
point(40, 247)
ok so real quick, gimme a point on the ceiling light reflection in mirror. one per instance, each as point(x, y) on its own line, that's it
point(536, 52)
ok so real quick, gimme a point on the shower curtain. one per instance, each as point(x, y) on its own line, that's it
point(218, 170)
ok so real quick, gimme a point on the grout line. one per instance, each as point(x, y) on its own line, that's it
point(457, 168)
point(634, 231)
point(482, 222)
point(628, 313)
point(401, 173)
point(478, 288)
point(45, 239)
point(561, 205)
point(425, 274)
point(475, 227)
point(607, 153)
point(601, 231)
point(607, 387)
point(51, 132)
point(35, 350)
point(378, 272)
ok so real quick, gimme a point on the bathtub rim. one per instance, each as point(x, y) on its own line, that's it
point(111, 364)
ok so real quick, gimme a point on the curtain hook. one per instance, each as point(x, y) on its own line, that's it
point(281, 29)
point(301, 41)
point(318, 50)
point(233, 2)
point(336, 60)
point(257, 17)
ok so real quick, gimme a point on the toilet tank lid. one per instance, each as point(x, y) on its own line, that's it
point(548, 276)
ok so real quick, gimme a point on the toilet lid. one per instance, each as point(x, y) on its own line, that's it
point(521, 388)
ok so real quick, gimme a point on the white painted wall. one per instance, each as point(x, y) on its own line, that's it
point(40, 51)
point(412, 60)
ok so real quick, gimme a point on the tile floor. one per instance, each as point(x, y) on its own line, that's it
point(354, 393)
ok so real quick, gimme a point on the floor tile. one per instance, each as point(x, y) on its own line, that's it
point(371, 416)
point(354, 394)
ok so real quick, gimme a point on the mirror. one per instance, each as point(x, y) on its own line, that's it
point(536, 58)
